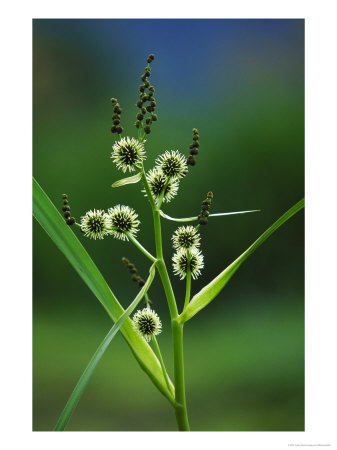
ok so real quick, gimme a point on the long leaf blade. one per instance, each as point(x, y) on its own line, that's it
point(129, 180)
point(89, 370)
point(209, 292)
point(53, 223)
point(191, 219)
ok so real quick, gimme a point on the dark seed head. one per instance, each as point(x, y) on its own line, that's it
point(116, 122)
point(140, 116)
point(65, 202)
point(113, 100)
point(113, 129)
point(64, 196)
point(191, 160)
point(203, 221)
point(71, 221)
point(139, 104)
point(119, 130)
point(154, 117)
point(66, 208)
point(117, 109)
point(141, 282)
point(67, 214)
point(147, 129)
point(194, 151)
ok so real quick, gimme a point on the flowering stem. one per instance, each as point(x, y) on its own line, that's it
point(177, 327)
point(159, 356)
point(161, 197)
point(179, 379)
point(140, 247)
point(188, 287)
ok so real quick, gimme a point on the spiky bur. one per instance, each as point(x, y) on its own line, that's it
point(186, 237)
point(66, 211)
point(184, 258)
point(133, 271)
point(205, 206)
point(159, 183)
point(128, 154)
point(147, 323)
point(116, 118)
point(122, 218)
point(194, 148)
point(146, 103)
point(94, 224)
point(172, 164)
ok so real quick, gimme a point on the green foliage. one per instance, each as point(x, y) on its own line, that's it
point(209, 292)
point(53, 223)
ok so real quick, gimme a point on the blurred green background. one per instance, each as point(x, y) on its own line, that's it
point(241, 83)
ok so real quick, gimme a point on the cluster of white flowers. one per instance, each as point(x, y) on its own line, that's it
point(120, 219)
point(186, 241)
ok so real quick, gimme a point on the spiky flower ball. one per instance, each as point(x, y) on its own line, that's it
point(94, 224)
point(186, 237)
point(122, 218)
point(158, 182)
point(182, 258)
point(128, 154)
point(147, 323)
point(173, 164)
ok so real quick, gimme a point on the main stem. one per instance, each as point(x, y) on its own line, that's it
point(177, 332)
point(177, 328)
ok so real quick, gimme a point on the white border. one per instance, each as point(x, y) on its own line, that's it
point(321, 150)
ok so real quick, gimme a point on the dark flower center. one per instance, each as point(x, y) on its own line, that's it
point(146, 325)
point(184, 264)
point(157, 185)
point(128, 154)
point(186, 239)
point(171, 167)
point(122, 221)
point(96, 224)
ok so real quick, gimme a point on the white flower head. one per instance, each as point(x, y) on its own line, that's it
point(172, 164)
point(157, 182)
point(128, 154)
point(122, 218)
point(94, 224)
point(180, 262)
point(147, 323)
point(186, 237)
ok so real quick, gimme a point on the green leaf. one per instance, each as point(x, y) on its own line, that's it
point(53, 223)
point(129, 180)
point(89, 370)
point(191, 219)
point(209, 292)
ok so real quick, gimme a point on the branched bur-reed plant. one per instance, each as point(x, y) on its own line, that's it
point(141, 325)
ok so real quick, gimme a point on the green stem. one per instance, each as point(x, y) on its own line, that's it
point(179, 379)
point(86, 375)
point(188, 287)
point(159, 356)
point(177, 328)
point(140, 247)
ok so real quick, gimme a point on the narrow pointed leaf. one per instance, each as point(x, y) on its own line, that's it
point(209, 292)
point(129, 180)
point(89, 370)
point(53, 223)
point(192, 219)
